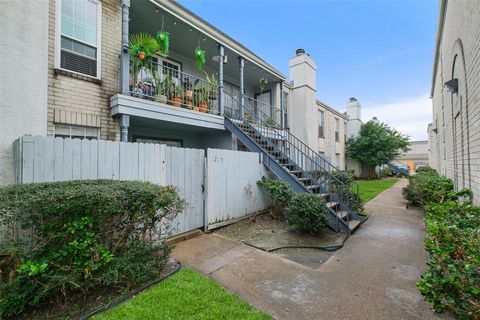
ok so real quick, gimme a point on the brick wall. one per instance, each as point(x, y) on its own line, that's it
point(81, 100)
point(456, 145)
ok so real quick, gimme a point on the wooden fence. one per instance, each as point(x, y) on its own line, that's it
point(221, 194)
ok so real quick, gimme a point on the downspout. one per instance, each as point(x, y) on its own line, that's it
point(125, 55)
point(282, 106)
point(221, 96)
point(242, 88)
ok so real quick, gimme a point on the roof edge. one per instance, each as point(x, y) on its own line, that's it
point(441, 23)
point(207, 28)
point(323, 105)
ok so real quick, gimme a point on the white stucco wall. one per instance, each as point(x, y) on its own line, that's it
point(23, 51)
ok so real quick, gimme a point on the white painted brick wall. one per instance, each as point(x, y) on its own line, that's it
point(460, 160)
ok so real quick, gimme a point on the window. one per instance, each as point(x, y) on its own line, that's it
point(79, 38)
point(78, 132)
point(321, 126)
point(170, 67)
point(337, 129)
point(337, 160)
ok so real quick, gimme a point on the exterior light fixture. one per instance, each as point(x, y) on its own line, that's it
point(451, 85)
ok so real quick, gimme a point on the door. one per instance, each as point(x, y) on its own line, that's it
point(264, 102)
point(232, 100)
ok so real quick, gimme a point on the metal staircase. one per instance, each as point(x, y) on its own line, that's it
point(293, 161)
point(397, 170)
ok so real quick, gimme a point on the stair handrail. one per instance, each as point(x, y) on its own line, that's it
point(287, 132)
point(333, 182)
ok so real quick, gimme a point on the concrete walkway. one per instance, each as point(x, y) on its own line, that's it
point(372, 277)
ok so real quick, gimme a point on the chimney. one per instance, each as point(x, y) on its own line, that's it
point(354, 113)
point(303, 74)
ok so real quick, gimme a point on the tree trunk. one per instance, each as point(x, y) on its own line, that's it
point(372, 174)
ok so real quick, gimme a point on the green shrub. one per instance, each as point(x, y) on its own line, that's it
point(452, 279)
point(426, 170)
point(66, 238)
point(428, 186)
point(385, 172)
point(344, 177)
point(307, 213)
point(280, 192)
point(350, 198)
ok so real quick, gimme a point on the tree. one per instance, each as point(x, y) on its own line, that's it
point(377, 144)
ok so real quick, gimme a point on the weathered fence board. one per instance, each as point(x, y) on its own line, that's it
point(230, 179)
point(232, 190)
point(44, 159)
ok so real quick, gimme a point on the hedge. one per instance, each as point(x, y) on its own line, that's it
point(428, 186)
point(452, 279)
point(66, 238)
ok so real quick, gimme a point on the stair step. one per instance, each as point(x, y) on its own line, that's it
point(313, 187)
point(332, 205)
point(342, 214)
point(303, 179)
point(322, 195)
point(354, 224)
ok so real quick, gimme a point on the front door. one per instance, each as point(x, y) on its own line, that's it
point(264, 102)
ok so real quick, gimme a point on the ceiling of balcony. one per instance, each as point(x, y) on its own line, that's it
point(147, 17)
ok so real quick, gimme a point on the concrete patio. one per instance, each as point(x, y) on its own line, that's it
point(372, 277)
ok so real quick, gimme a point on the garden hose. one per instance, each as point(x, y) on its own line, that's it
point(301, 246)
point(129, 295)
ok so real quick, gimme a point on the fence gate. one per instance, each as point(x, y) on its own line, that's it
point(232, 191)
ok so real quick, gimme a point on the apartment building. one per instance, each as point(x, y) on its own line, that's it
point(77, 78)
point(454, 134)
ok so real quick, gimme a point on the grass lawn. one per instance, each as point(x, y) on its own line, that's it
point(185, 295)
point(369, 189)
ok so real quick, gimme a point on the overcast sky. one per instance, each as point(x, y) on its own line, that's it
point(380, 52)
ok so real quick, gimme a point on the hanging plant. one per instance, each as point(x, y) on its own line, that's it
point(143, 45)
point(262, 83)
point(163, 40)
point(199, 58)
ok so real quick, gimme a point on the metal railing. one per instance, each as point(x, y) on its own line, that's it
point(156, 82)
point(332, 181)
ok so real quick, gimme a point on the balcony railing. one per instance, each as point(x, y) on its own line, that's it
point(233, 107)
point(152, 81)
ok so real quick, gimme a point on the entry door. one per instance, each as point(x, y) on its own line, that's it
point(232, 104)
point(264, 102)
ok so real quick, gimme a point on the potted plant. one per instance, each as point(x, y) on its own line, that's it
point(162, 91)
point(142, 47)
point(177, 94)
point(213, 85)
point(202, 97)
point(188, 87)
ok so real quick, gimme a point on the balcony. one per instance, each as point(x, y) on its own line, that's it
point(170, 90)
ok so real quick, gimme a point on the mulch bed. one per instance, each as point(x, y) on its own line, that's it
point(268, 233)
